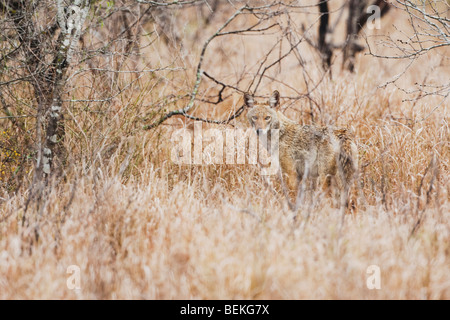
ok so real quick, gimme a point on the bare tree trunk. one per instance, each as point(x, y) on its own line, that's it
point(70, 20)
point(355, 10)
point(357, 18)
point(46, 65)
point(324, 46)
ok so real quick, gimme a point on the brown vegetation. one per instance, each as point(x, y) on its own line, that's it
point(140, 226)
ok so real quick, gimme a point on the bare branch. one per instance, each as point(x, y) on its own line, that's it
point(430, 31)
point(167, 4)
point(199, 74)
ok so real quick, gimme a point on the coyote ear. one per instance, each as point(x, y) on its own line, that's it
point(274, 99)
point(249, 100)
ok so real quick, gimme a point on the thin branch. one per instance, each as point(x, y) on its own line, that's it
point(167, 4)
point(199, 74)
point(434, 174)
point(16, 117)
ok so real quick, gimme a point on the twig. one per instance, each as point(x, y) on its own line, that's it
point(243, 210)
point(167, 4)
point(14, 117)
point(420, 213)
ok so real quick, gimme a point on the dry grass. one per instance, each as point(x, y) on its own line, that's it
point(139, 226)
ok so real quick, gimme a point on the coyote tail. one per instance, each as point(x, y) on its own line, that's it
point(347, 155)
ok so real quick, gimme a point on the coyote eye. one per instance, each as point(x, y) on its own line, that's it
point(254, 118)
point(267, 118)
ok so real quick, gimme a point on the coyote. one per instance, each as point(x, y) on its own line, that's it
point(317, 154)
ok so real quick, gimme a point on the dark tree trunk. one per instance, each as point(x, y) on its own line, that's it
point(324, 46)
point(357, 18)
point(355, 10)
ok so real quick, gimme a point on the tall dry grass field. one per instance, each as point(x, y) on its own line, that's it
point(139, 226)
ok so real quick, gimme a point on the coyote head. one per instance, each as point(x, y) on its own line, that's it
point(262, 116)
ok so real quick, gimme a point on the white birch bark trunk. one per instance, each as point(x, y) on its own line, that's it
point(71, 16)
